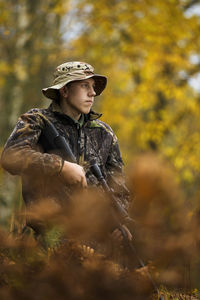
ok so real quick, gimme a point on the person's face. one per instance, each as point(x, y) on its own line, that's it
point(80, 95)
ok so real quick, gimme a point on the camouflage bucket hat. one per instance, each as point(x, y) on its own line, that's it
point(72, 71)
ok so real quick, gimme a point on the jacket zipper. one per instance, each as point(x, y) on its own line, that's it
point(78, 142)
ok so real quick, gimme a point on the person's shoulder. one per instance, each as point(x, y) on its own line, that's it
point(105, 126)
point(36, 111)
point(102, 126)
point(99, 124)
point(34, 115)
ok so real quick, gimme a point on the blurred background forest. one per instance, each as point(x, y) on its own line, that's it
point(150, 52)
point(149, 49)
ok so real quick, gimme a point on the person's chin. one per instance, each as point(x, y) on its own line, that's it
point(86, 110)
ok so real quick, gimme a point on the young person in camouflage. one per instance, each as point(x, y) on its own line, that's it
point(73, 92)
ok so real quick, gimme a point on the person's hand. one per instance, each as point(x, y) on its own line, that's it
point(117, 235)
point(88, 251)
point(73, 174)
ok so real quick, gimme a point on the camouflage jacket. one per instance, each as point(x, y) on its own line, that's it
point(25, 155)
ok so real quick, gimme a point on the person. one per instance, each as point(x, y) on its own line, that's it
point(44, 173)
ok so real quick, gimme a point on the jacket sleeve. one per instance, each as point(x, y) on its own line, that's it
point(116, 177)
point(21, 153)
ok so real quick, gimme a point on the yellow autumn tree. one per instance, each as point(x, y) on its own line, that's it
point(149, 50)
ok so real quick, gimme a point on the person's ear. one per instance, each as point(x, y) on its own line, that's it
point(64, 91)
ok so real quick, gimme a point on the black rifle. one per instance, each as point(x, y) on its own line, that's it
point(53, 140)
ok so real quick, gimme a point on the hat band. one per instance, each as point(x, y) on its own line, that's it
point(70, 76)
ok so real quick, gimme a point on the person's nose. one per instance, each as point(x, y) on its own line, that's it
point(92, 92)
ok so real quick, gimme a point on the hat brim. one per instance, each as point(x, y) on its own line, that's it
point(52, 92)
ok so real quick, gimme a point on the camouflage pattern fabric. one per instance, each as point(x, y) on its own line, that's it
point(40, 168)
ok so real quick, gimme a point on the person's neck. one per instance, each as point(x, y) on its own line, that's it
point(69, 111)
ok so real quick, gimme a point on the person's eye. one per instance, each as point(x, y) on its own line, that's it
point(84, 85)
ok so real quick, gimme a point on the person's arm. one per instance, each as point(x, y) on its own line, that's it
point(21, 154)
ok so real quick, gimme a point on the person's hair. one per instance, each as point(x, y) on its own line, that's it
point(58, 98)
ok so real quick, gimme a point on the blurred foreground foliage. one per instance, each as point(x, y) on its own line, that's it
point(166, 236)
